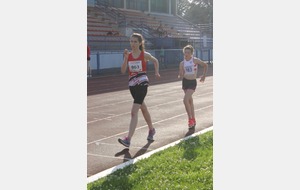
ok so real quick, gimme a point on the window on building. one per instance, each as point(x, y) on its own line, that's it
point(160, 6)
point(141, 5)
point(117, 3)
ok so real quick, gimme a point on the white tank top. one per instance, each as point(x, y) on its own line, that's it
point(189, 67)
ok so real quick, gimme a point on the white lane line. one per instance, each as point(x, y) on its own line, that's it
point(114, 144)
point(104, 90)
point(150, 95)
point(99, 155)
point(117, 115)
point(166, 83)
point(146, 155)
point(112, 104)
point(103, 113)
point(207, 80)
point(157, 88)
point(160, 121)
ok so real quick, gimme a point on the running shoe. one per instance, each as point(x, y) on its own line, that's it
point(124, 141)
point(151, 134)
point(194, 120)
point(191, 123)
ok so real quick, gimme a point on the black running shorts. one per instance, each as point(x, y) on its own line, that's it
point(189, 84)
point(138, 93)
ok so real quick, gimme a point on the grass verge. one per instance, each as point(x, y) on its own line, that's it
point(187, 165)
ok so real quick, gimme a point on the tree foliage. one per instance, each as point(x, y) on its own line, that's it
point(196, 11)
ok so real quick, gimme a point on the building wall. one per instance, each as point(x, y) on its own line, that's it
point(156, 6)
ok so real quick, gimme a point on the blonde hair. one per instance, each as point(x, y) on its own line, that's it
point(188, 47)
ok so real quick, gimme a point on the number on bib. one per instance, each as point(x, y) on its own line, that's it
point(189, 69)
point(135, 66)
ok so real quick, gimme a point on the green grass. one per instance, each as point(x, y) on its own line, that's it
point(188, 165)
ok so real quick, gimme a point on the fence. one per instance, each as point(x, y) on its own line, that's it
point(108, 62)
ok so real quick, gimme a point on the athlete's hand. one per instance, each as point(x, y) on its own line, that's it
point(126, 53)
point(202, 78)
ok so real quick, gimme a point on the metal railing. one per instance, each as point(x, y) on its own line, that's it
point(110, 61)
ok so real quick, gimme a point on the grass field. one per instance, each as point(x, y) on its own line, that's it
point(187, 165)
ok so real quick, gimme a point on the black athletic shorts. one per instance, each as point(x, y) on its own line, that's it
point(138, 93)
point(189, 84)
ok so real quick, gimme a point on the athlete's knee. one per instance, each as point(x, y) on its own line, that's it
point(143, 109)
point(133, 113)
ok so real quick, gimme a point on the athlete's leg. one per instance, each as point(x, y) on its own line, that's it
point(186, 100)
point(191, 102)
point(146, 115)
point(134, 119)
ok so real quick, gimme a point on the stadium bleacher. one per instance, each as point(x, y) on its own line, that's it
point(103, 31)
point(102, 19)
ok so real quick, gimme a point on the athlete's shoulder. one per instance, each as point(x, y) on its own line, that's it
point(196, 60)
point(146, 53)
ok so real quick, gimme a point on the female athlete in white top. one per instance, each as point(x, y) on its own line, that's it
point(188, 73)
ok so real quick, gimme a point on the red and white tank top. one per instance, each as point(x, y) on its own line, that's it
point(137, 70)
point(190, 67)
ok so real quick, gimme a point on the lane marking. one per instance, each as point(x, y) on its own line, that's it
point(115, 144)
point(117, 115)
point(107, 90)
point(99, 155)
point(146, 155)
point(124, 101)
point(160, 121)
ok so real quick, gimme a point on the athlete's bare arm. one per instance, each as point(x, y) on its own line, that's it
point(124, 65)
point(204, 65)
point(149, 57)
point(181, 70)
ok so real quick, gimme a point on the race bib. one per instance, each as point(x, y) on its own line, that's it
point(189, 69)
point(135, 66)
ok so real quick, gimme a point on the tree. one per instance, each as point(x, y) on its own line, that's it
point(196, 11)
point(182, 7)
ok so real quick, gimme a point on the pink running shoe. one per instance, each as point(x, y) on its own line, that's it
point(191, 123)
point(194, 121)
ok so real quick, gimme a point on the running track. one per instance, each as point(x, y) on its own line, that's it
point(108, 116)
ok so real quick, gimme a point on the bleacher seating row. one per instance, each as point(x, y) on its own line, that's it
point(100, 23)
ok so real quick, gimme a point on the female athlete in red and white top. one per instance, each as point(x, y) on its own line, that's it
point(136, 62)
